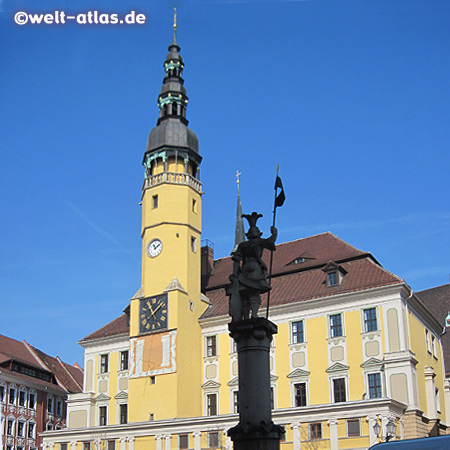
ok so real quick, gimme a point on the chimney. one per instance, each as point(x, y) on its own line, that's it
point(207, 262)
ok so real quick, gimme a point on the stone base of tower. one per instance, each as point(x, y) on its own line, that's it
point(255, 430)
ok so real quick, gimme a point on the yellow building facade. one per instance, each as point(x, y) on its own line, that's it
point(355, 347)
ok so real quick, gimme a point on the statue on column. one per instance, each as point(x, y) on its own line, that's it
point(250, 278)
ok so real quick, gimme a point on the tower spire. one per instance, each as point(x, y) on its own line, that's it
point(174, 41)
point(239, 235)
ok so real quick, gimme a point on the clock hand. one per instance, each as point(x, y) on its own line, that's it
point(159, 306)
point(150, 307)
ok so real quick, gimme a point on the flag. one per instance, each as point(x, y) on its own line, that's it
point(280, 196)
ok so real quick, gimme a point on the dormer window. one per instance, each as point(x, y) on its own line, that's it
point(334, 274)
point(332, 279)
point(305, 257)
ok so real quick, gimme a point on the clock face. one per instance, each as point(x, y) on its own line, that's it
point(154, 248)
point(153, 314)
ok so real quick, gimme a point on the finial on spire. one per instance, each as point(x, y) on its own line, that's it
point(238, 174)
point(174, 23)
point(239, 234)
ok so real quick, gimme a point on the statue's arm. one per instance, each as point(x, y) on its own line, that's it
point(270, 241)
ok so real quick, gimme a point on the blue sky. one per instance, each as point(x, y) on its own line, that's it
point(350, 97)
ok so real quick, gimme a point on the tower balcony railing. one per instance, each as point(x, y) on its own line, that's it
point(173, 178)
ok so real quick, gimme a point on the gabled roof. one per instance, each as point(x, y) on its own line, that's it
point(68, 378)
point(361, 270)
point(320, 249)
point(437, 300)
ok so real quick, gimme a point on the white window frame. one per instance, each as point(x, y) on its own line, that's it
point(302, 321)
point(33, 434)
point(373, 372)
point(354, 419)
point(363, 319)
point(103, 357)
point(52, 399)
point(99, 415)
point(12, 387)
point(207, 338)
point(21, 420)
point(337, 377)
point(206, 395)
point(13, 426)
point(32, 392)
point(342, 325)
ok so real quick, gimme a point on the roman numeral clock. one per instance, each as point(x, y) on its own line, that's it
point(153, 314)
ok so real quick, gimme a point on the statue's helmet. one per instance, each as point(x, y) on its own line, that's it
point(253, 231)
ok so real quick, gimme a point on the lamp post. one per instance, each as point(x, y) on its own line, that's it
point(390, 430)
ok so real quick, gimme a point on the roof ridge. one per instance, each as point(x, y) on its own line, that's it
point(63, 364)
point(31, 349)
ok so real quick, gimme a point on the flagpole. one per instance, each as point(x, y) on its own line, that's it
point(271, 251)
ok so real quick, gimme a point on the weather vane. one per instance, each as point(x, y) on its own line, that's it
point(174, 19)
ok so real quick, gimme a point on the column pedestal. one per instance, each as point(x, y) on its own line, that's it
point(255, 430)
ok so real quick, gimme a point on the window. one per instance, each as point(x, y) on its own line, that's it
point(272, 399)
point(63, 446)
point(315, 430)
point(374, 385)
point(102, 415)
point(339, 390)
point(31, 426)
point(10, 427)
point(21, 428)
point(123, 414)
point(12, 396)
point(32, 400)
point(2, 393)
point(50, 404)
point(211, 347)
point(103, 363)
point(297, 332)
point(433, 346)
point(9, 447)
point(194, 206)
point(300, 394)
point(152, 379)
point(353, 428)
point(155, 201)
point(59, 406)
point(236, 402)
point(124, 360)
point(438, 399)
point(336, 325)
point(213, 439)
point(332, 278)
point(370, 320)
point(183, 441)
point(22, 397)
point(86, 446)
point(211, 404)
point(111, 445)
point(49, 426)
point(427, 338)
point(194, 244)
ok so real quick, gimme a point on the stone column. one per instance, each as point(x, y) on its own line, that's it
point(158, 438)
point(255, 430)
point(73, 444)
point(168, 445)
point(334, 437)
point(373, 438)
point(431, 393)
point(131, 443)
point(297, 436)
point(197, 440)
point(123, 443)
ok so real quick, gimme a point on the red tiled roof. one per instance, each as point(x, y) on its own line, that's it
point(59, 370)
point(437, 300)
point(361, 274)
point(18, 351)
point(22, 352)
point(116, 327)
point(317, 250)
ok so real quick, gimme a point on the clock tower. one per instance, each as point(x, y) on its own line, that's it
point(165, 345)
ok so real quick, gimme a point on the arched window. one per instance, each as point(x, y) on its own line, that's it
point(22, 396)
point(31, 433)
point(174, 109)
point(50, 403)
point(32, 399)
